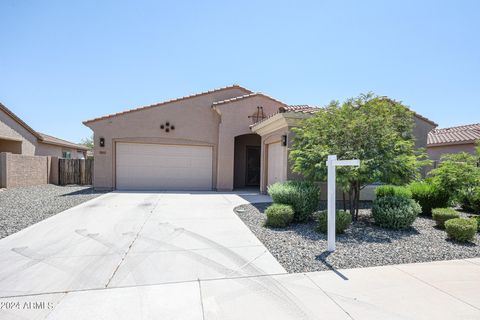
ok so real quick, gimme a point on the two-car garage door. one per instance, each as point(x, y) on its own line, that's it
point(163, 167)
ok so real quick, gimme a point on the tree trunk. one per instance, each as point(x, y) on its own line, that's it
point(357, 200)
point(344, 201)
point(350, 201)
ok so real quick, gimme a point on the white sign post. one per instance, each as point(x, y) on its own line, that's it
point(332, 163)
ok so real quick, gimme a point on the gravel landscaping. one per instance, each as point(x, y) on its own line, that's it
point(299, 248)
point(22, 207)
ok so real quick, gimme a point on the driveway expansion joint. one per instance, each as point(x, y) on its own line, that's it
point(131, 244)
point(329, 297)
point(437, 288)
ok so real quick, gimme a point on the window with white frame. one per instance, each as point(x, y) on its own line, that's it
point(66, 154)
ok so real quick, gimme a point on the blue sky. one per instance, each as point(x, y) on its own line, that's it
point(62, 62)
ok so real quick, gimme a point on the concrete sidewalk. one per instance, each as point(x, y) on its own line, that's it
point(435, 290)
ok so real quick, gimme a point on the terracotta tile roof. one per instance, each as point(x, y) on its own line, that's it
point(303, 108)
point(60, 142)
point(168, 101)
point(454, 135)
point(253, 94)
point(307, 109)
point(310, 109)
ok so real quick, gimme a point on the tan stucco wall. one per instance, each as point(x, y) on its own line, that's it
point(235, 121)
point(420, 131)
point(267, 139)
point(44, 149)
point(436, 152)
point(196, 123)
point(11, 146)
point(10, 129)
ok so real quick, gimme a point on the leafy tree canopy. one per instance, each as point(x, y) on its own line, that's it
point(87, 142)
point(376, 130)
point(456, 172)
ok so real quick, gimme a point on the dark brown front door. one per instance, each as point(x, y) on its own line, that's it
point(252, 177)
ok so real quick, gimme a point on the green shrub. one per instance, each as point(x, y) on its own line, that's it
point(469, 199)
point(477, 218)
point(390, 190)
point(395, 212)
point(462, 230)
point(303, 196)
point(279, 215)
point(428, 196)
point(343, 219)
point(440, 215)
point(456, 172)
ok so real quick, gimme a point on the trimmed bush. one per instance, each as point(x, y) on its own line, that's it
point(477, 218)
point(428, 196)
point(279, 215)
point(440, 215)
point(470, 199)
point(461, 230)
point(390, 190)
point(343, 219)
point(303, 196)
point(395, 212)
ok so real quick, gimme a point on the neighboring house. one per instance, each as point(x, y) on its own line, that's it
point(19, 138)
point(221, 139)
point(452, 140)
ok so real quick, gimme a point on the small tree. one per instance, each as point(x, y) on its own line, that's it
point(376, 130)
point(87, 142)
point(456, 173)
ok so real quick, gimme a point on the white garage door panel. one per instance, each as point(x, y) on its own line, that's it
point(275, 163)
point(163, 167)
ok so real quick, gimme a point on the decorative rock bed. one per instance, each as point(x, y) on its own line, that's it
point(22, 207)
point(299, 248)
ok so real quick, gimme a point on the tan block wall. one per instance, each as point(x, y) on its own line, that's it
point(20, 170)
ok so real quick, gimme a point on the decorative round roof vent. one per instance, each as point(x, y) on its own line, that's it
point(167, 126)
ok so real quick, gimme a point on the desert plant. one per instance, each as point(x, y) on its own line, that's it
point(428, 196)
point(461, 230)
point(390, 190)
point(303, 196)
point(469, 199)
point(279, 215)
point(441, 215)
point(343, 219)
point(395, 212)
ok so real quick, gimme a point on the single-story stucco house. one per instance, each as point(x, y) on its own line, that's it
point(222, 139)
point(19, 138)
point(452, 140)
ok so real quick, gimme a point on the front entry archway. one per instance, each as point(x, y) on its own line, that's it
point(247, 156)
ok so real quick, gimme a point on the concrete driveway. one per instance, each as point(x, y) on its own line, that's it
point(124, 239)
